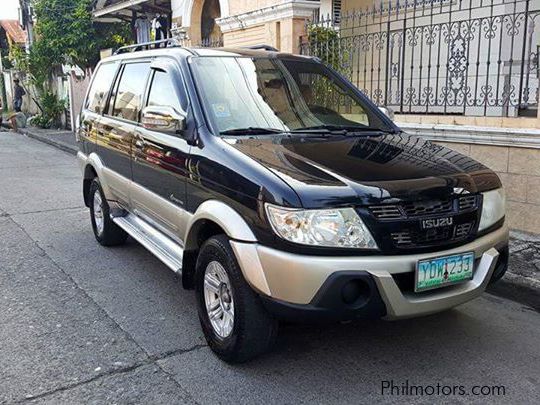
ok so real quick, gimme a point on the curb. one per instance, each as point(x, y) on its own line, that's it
point(517, 288)
point(512, 286)
point(50, 141)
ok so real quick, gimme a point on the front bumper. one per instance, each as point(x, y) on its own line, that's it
point(287, 280)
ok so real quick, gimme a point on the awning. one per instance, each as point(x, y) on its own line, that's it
point(107, 9)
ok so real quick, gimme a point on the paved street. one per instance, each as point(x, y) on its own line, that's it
point(83, 323)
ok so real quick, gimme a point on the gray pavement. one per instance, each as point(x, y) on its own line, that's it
point(62, 139)
point(82, 323)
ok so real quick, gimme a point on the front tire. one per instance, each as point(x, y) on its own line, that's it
point(235, 324)
point(107, 233)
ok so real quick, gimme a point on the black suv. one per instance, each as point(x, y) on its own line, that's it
point(280, 192)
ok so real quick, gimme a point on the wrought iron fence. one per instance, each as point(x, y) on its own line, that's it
point(213, 42)
point(469, 57)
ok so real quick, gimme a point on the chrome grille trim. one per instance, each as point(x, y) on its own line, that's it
point(386, 211)
point(415, 209)
point(414, 238)
point(428, 207)
point(463, 230)
point(467, 202)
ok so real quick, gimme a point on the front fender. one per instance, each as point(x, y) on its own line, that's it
point(238, 231)
point(224, 216)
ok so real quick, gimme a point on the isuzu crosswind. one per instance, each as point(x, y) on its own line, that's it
point(278, 191)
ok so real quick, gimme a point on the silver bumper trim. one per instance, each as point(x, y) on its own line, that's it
point(297, 278)
point(399, 305)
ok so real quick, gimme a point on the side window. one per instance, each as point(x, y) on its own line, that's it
point(101, 85)
point(128, 100)
point(162, 92)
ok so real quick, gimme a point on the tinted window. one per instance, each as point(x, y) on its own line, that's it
point(97, 97)
point(130, 92)
point(162, 92)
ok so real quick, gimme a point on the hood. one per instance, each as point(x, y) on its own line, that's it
point(351, 170)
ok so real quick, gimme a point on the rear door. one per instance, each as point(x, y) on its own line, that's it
point(160, 159)
point(117, 127)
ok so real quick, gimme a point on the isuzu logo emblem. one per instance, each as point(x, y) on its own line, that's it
point(437, 222)
point(460, 190)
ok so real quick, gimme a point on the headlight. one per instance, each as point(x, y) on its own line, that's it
point(493, 208)
point(326, 227)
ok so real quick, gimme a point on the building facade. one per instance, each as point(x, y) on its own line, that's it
point(279, 23)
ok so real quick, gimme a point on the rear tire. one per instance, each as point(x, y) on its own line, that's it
point(222, 291)
point(107, 233)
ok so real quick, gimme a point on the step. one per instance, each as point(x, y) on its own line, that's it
point(164, 248)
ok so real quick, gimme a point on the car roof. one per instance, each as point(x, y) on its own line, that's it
point(184, 52)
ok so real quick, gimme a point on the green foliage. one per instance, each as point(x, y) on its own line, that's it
point(65, 34)
point(18, 58)
point(70, 34)
point(52, 109)
point(324, 43)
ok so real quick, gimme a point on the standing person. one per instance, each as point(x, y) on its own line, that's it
point(19, 93)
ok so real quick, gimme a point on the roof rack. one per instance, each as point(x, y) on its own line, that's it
point(167, 43)
point(262, 46)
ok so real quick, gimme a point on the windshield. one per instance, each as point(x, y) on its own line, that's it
point(253, 94)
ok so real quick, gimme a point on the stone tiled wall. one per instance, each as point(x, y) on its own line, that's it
point(519, 170)
point(496, 122)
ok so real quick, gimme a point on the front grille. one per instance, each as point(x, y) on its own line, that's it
point(415, 238)
point(386, 211)
point(420, 208)
point(467, 202)
point(463, 230)
point(401, 225)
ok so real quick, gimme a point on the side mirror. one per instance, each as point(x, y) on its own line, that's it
point(388, 112)
point(163, 119)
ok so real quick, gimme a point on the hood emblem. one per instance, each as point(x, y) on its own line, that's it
point(460, 190)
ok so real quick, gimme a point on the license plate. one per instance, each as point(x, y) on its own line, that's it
point(442, 271)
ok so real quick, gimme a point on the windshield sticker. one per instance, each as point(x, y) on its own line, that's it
point(221, 110)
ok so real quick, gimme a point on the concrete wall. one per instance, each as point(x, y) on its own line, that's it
point(77, 92)
point(249, 36)
point(245, 6)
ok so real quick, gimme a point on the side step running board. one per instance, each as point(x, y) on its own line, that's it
point(158, 244)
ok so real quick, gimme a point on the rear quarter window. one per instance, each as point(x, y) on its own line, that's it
point(101, 85)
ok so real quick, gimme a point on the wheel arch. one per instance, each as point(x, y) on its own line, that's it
point(92, 167)
point(212, 218)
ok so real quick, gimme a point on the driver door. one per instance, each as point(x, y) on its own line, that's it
point(159, 158)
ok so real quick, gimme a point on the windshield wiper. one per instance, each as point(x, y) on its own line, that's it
point(252, 131)
point(338, 129)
